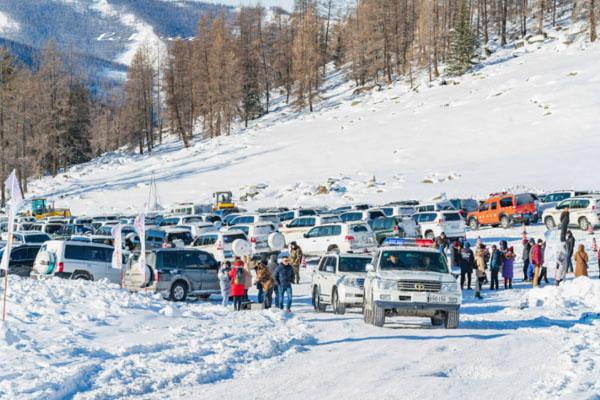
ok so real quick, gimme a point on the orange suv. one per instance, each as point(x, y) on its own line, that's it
point(504, 209)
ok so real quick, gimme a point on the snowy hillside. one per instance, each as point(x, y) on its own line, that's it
point(527, 117)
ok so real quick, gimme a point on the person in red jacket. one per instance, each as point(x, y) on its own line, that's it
point(537, 259)
point(237, 276)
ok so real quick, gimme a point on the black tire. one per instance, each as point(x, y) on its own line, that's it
point(317, 301)
point(429, 235)
point(436, 321)
point(366, 312)
point(333, 248)
point(179, 291)
point(338, 308)
point(452, 319)
point(583, 223)
point(378, 315)
point(82, 276)
point(549, 222)
point(505, 222)
point(474, 224)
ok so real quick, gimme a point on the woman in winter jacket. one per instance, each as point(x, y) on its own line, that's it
point(237, 276)
point(265, 280)
point(562, 264)
point(247, 279)
point(581, 262)
point(224, 282)
point(508, 268)
point(480, 254)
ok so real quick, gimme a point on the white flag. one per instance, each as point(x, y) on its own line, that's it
point(16, 196)
point(117, 257)
point(140, 227)
point(9, 240)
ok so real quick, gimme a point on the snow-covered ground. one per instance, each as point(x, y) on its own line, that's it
point(527, 118)
point(92, 340)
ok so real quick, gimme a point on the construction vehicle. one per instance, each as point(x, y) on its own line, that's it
point(223, 201)
point(40, 209)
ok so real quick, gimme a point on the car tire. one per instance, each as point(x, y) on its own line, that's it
point(378, 315)
point(333, 248)
point(430, 235)
point(82, 276)
point(317, 301)
point(583, 224)
point(179, 291)
point(436, 321)
point(505, 222)
point(366, 311)
point(338, 308)
point(549, 222)
point(474, 224)
point(452, 319)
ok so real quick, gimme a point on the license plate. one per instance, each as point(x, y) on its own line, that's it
point(419, 297)
point(437, 298)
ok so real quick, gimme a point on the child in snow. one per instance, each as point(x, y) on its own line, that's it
point(225, 282)
point(238, 279)
point(508, 267)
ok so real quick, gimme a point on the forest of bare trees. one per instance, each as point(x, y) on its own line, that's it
point(229, 72)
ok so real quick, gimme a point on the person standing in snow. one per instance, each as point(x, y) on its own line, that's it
point(247, 278)
point(496, 260)
point(527, 244)
point(570, 241)
point(224, 282)
point(272, 267)
point(284, 277)
point(238, 279)
point(561, 265)
point(537, 259)
point(467, 264)
point(455, 254)
point(564, 224)
point(295, 260)
point(508, 267)
point(265, 280)
point(544, 270)
point(480, 252)
point(581, 262)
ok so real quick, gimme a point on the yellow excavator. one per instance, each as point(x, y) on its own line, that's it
point(40, 209)
point(223, 201)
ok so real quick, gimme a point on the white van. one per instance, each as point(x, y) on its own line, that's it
point(75, 260)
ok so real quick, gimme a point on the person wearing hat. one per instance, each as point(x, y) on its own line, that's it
point(264, 280)
point(284, 277)
point(296, 260)
point(238, 278)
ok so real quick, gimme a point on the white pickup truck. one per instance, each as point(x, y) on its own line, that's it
point(338, 281)
point(411, 279)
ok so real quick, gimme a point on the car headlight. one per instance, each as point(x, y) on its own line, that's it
point(449, 287)
point(386, 284)
point(349, 281)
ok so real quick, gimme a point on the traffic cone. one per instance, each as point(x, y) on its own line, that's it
point(594, 245)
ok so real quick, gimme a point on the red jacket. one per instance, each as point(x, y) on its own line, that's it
point(537, 255)
point(237, 289)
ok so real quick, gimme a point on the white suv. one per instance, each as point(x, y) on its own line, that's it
point(340, 237)
point(434, 223)
point(551, 200)
point(583, 212)
point(362, 215)
point(75, 260)
point(296, 228)
point(409, 280)
point(219, 243)
point(338, 281)
point(258, 235)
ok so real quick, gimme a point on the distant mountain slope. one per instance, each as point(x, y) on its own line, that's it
point(107, 30)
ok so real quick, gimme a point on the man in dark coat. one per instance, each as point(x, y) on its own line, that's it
point(570, 242)
point(284, 277)
point(527, 244)
point(564, 224)
point(467, 264)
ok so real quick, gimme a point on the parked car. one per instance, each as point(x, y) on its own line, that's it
point(76, 229)
point(51, 229)
point(339, 237)
point(552, 199)
point(434, 223)
point(258, 235)
point(338, 281)
point(228, 218)
point(583, 212)
point(465, 206)
point(293, 214)
point(363, 215)
point(198, 228)
point(504, 209)
point(442, 205)
point(31, 237)
point(255, 218)
point(176, 273)
point(75, 260)
point(106, 230)
point(296, 228)
point(21, 259)
point(219, 243)
point(399, 211)
point(190, 209)
point(411, 280)
point(393, 227)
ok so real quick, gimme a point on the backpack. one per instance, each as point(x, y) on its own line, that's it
point(239, 276)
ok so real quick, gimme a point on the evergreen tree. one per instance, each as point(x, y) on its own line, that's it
point(463, 44)
point(77, 124)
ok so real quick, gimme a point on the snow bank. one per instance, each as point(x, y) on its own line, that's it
point(93, 340)
point(572, 298)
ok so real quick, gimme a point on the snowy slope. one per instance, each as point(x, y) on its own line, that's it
point(527, 117)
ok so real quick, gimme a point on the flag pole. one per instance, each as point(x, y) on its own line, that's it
point(5, 290)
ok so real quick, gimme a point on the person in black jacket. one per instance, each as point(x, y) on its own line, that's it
point(570, 242)
point(564, 224)
point(283, 277)
point(526, 261)
point(467, 264)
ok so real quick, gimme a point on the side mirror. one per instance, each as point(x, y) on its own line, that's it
point(369, 268)
point(305, 235)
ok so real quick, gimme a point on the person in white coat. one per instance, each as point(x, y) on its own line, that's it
point(562, 263)
point(225, 282)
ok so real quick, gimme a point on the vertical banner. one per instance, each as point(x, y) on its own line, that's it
point(140, 227)
point(117, 257)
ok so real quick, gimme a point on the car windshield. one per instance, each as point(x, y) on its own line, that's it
point(523, 199)
point(353, 264)
point(185, 237)
point(51, 229)
point(413, 260)
point(36, 238)
point(452, 217)
point(231, 238)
